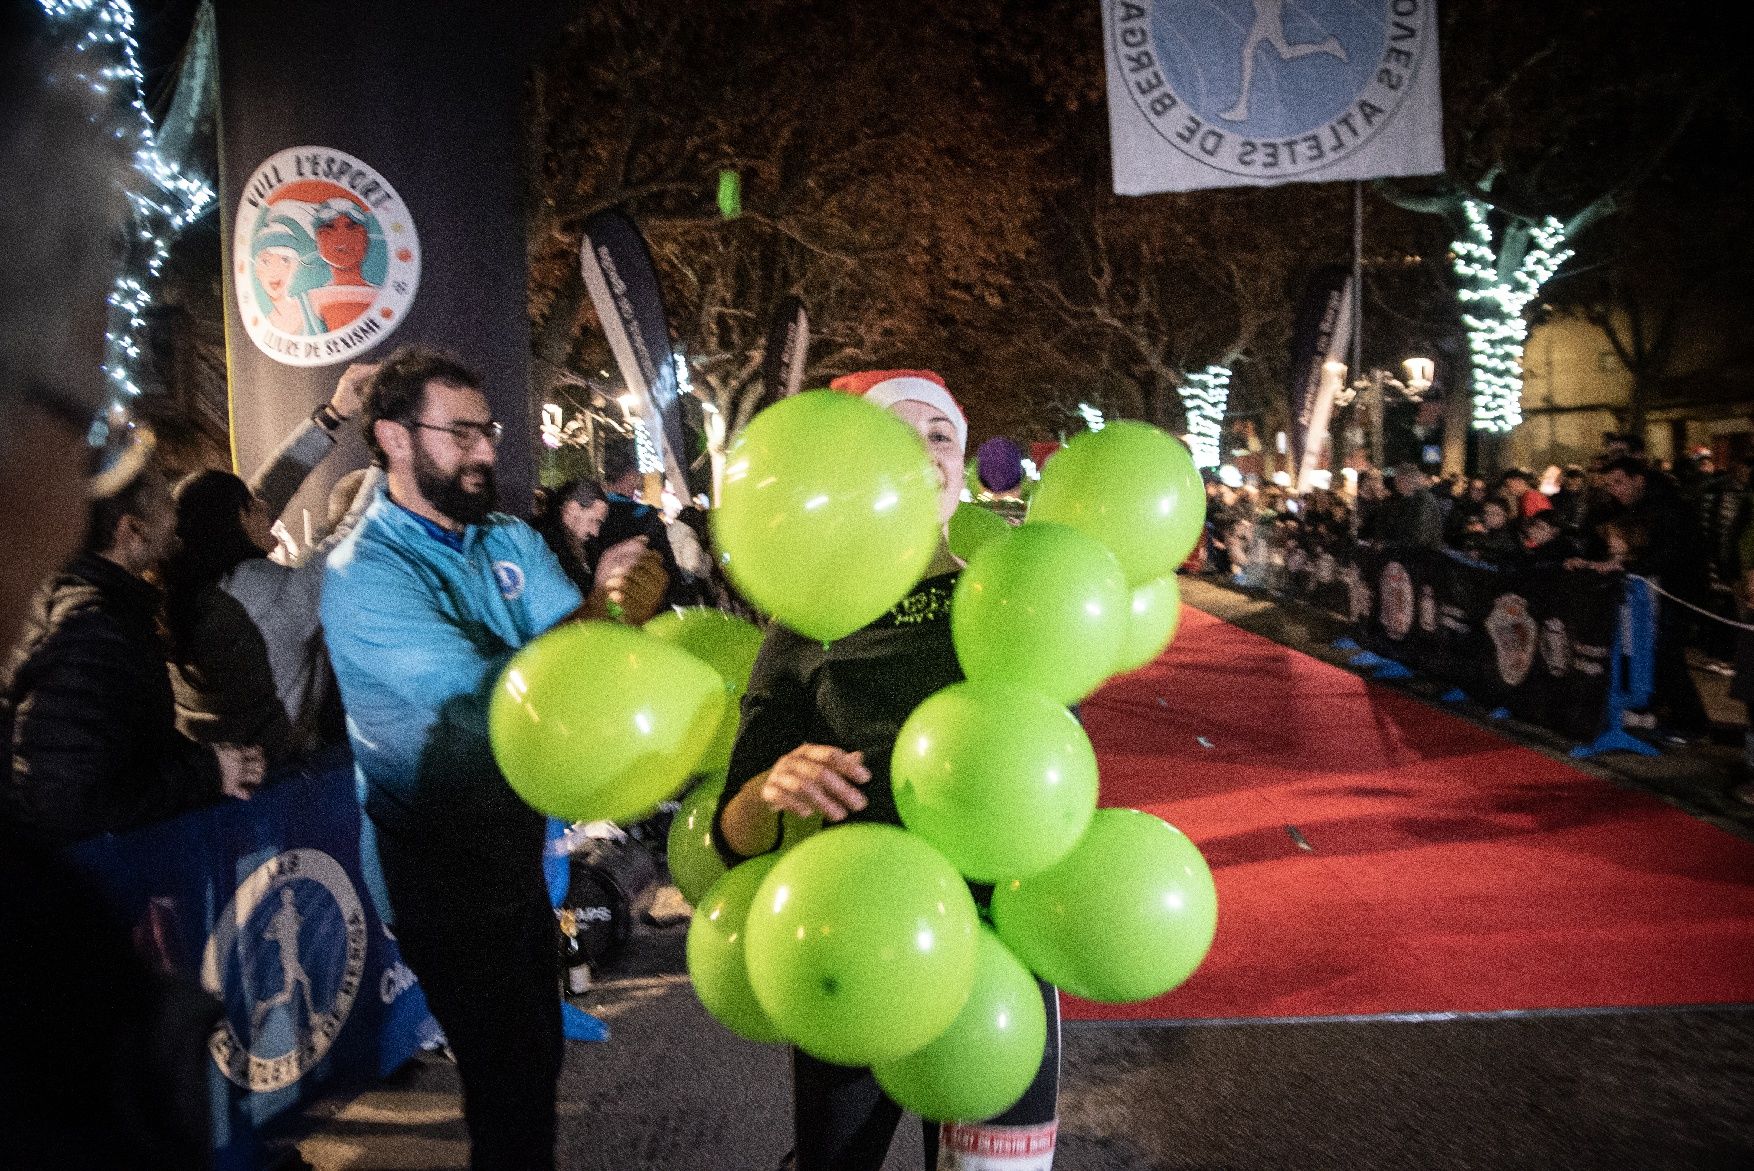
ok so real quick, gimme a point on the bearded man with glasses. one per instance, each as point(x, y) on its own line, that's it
point(423, 605)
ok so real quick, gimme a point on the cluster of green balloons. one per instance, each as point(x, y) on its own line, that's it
point(861, 944)
point(1086, 588)
point(863, 947)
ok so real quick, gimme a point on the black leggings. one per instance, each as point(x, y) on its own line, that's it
point(844, 1121)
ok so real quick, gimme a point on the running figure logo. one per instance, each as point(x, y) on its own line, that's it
point(1269, 26)
point(1270, 90)
point(283, 932)
point(286, 957)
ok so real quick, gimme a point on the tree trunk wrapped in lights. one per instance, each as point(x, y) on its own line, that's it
point(1205, 396)
point(1496, 285)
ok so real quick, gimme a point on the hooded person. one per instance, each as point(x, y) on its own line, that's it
point(818, 729)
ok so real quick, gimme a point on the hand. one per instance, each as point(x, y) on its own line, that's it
point(349, 393)
point(240, 769)
point(619, 558)
point(639, 589)
point(815, 778)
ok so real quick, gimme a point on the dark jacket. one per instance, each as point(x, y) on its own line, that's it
point(87, 705)
point(1414, 520)
point(1675, 555)
point(629, 518)
point(1500, 547)
point(854, 693)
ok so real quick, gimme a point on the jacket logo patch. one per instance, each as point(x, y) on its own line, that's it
point(510, 579)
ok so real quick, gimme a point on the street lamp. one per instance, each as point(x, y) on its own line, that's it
point(1371, 392)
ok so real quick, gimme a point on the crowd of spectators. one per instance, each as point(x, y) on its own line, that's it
point(1688, 529)
point(179, 655)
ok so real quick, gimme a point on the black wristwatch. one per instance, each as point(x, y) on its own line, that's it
point(326, 418)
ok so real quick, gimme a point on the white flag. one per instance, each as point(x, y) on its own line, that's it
point(1252, 93)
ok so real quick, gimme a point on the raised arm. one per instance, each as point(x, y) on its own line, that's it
point(278, 480)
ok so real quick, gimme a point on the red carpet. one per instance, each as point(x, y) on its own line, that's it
point(1450, 870)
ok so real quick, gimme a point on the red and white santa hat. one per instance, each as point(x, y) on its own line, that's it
point(888, 387)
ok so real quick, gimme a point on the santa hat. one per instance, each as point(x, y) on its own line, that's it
point(888, 387)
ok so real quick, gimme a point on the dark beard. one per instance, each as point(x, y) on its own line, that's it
point(447, 494)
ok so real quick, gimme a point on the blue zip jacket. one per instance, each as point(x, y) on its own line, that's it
point(419, 626)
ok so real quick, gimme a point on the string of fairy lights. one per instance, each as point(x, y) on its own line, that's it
point(1205, 397)
point(1496, 329)
point(163, 198)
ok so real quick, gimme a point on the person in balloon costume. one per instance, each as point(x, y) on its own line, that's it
point(819, 724)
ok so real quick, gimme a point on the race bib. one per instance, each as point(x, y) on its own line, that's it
point(983, 1147)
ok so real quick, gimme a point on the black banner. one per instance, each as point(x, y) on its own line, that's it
point(623, 283)
point(1534, 641)
point(788, 345)
point(371, 195)
point(1324, 322)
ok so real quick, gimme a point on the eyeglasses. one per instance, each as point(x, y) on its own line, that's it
point(466, 434)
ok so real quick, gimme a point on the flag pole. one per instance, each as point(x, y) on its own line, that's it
point(1357, 278)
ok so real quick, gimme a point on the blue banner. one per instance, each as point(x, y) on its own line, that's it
point(265, 904)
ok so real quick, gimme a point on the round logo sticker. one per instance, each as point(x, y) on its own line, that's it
point(1514, 636)
point(510, 579)
point(325, 259)
point(1266, 89)
point(286, 957)
point(1396, 612)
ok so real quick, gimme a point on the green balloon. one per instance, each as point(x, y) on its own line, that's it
point(1001, 780)
point(1127, 915)
point(1155, 613)
point(595, 720)
point(972, 526)
point(989, 1054)
point(723, 642)
point(795, 829)
point(716, 937)
point(1045, 609)
point(695, 863)
point(829, 512)
point(1132, 487)
point(861, 944)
